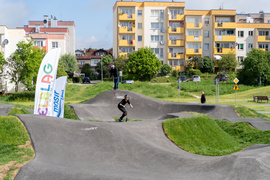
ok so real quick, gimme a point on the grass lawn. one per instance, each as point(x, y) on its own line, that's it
point(15, 145)
point(205, 136)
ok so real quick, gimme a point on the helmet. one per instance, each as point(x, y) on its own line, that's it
point(113, 66)
point(126, 96)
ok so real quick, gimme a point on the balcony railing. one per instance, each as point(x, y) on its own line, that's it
point(178, 17)
point(178, 30)
point(128, 17)
point(226, 38)
point(194, 51)
point(176, 42)
point(127, 29)
point(220, 50)
point(124, 42)
point(176, 56)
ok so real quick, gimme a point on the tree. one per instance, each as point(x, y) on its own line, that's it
point(121, 63)
point(61, 70)
point(2, 62)
point(196, 62)
point(208, 65)
point(255, 65)
point(227, 62)
point(143, 64)
point(86, 70)
point(165, 69)
point(107, 62)
point(70, 63)
point(23, 64)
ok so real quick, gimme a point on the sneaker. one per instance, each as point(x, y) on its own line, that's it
point(126, 119)
point(120, 120)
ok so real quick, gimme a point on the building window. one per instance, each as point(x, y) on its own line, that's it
point(156, 38)
point(156, 25)
point(139, 12)
point(240, 33)
point(263, 33)
point(38, 43)
point(206, 34)
point(206, 21)
point(139, 25)
point(127, 37)
point(54, 44)
point(158, 51)
point(139, 38)
point(240, 46)
point(206, 46)
point(250, 45)
point(250, 33)
point(240, 59)
point(82, 62)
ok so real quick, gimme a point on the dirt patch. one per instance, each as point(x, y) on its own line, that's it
point(5, 169)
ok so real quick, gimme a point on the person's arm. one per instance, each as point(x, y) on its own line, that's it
point(122, 105)
point(131, 105)
point(116, 72)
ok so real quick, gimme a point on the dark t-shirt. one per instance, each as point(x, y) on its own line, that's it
point(203, 98)
point(124, 102)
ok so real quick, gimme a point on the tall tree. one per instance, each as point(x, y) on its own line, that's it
point(196, 62)
point(24, 64)
point(70, 63)
point(121, 63)
point(2, 62)
point(61, 70)
point(107, 62)
point(255, 65)
point(86, 70)
point(227, 62)
point(143, 64)
point(208, 65)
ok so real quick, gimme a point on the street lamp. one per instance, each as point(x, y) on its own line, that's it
point(101, 69)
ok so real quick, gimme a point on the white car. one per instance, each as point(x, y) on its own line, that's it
point(196, 78)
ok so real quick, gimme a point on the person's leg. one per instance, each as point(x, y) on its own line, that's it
point(117, 83)
point(124, 112)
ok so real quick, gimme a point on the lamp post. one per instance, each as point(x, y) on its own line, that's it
point(101, 69)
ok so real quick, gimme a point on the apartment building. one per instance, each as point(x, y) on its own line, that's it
point(176, 35)
point(9, 38)
point(51, 33)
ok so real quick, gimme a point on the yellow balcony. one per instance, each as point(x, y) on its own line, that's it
point(225, 25)
point(224, 50)
point(126, 17)
point(194, 38)
point(178, 30)
point(177, 17)
point(176, 56)
point(127, 43)
point(193, 51)
point(178, 68)
point(123, 54)
point(194, 25)
point(176, 43)
point(225, 38)
point(127, 30)
point(263, 38)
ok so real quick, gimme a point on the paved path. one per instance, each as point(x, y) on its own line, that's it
point(5, 109)
point(69, 149)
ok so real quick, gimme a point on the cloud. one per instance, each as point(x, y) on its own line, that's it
point(92, 42)
point(13, 14)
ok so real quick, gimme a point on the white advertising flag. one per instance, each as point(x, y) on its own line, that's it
point(45, 83)
point(59, 97)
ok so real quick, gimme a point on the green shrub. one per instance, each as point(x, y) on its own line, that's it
point(165, 69)
point(194, 72)
point(22, 96)
point(175, 73)
point(77, 79)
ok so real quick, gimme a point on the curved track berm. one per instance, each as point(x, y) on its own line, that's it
point(68, 149)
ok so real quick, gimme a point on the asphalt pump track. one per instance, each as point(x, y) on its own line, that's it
point(68, 149)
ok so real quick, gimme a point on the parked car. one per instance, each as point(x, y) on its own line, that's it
point(223, 77)
point(196, 78)
point(128, 82)
point(183, 79)
point(86, 80)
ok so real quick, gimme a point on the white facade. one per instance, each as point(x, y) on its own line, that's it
point(245, 38)
point(12, 37)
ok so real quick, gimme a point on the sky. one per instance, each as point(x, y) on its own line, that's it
point(93, 18)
